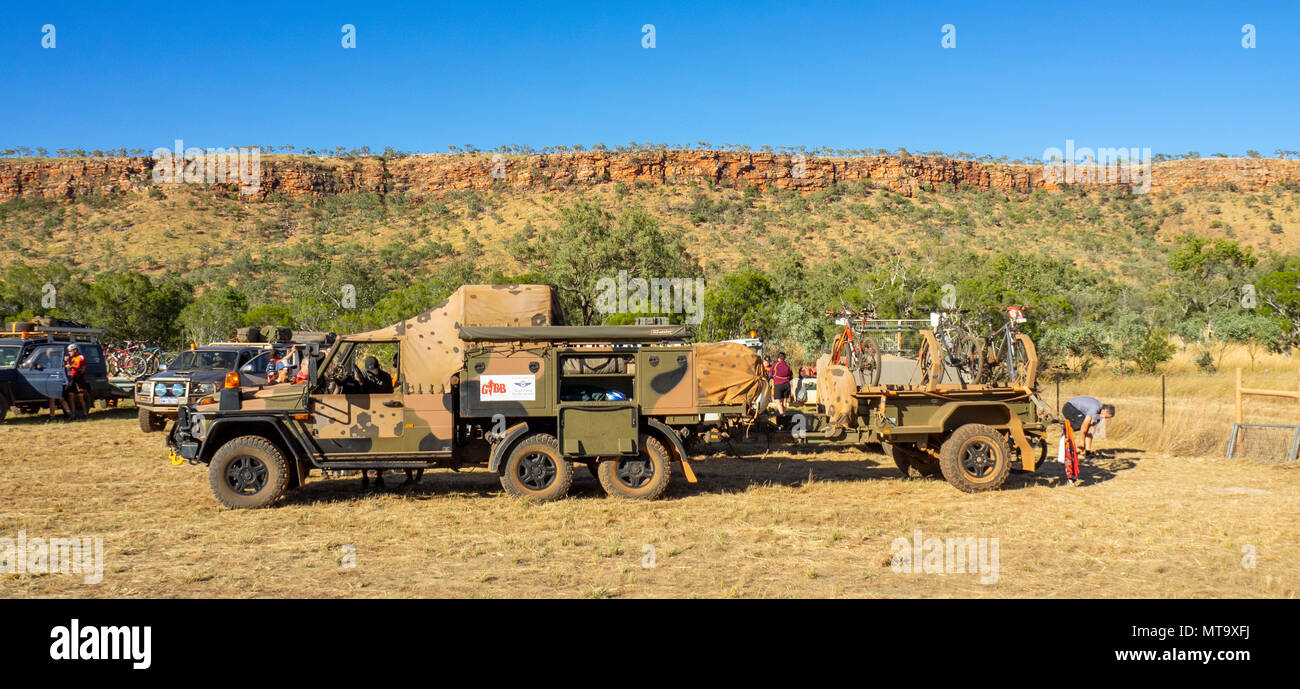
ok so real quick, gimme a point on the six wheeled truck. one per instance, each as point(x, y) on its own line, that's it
point(195, 374)
point(490, 377)
point(31, 365)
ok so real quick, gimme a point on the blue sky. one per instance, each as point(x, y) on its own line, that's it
point(1172, 76)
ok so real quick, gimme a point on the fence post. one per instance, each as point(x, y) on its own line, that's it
point(1238, 405)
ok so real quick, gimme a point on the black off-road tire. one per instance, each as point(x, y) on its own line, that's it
point(536, 471)
point(643, 477)
point(910, 459)
point(4, 408)
point(151, 422)
point(248, 472)
point(975, 458)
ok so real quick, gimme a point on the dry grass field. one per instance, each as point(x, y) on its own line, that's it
point(1153, 521)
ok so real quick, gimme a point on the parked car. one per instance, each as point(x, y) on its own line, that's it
point(195, 374)
point(31, 366)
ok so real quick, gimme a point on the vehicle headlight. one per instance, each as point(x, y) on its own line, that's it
point(160, 390)
point(178, 389)
point(205, 388)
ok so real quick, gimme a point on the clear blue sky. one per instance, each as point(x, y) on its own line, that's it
point(1172, 76)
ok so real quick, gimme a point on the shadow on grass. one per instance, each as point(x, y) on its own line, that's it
point(784, 465)
point(43, 416)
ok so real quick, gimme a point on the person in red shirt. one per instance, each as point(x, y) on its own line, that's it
point(781, 377)
point(74, 365)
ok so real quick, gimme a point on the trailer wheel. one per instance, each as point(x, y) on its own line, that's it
point(536, 471)
point(975, 458)
point(150, 422)
point(643, 477)
point(909, 459)
point(248, 472)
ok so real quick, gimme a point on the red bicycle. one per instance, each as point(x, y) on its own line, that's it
point(853, 348)
point(132, 360)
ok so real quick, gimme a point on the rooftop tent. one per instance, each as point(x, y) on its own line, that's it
point(431, 348)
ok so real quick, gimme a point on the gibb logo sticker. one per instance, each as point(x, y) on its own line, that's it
point(498, 388)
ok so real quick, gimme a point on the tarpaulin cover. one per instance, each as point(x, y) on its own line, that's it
point(835, 389)
point(727, 373)
point(432, 351)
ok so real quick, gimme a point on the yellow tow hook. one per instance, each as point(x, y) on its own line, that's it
point(175, 457)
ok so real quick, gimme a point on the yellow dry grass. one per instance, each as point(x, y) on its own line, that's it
point(1199, 408)
point(815, 524)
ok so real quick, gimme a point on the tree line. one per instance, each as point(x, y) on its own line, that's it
point(1212, 293)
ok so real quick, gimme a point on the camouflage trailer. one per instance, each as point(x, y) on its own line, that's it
point(490, 377)
point(972, 434)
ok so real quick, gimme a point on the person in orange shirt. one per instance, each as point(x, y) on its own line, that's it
point(74, 365)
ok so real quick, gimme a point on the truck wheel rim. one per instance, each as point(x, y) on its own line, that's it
point(635, 473)
point(979, 459)
point(246, 475)
point(536, 471)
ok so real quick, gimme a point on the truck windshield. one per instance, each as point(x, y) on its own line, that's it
point(204, 361)
point(9, 356)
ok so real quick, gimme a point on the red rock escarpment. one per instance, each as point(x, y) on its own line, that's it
point(433, 175)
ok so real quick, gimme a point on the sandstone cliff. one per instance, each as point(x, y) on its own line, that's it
point(431, 175)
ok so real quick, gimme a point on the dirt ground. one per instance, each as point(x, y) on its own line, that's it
point(787, 524)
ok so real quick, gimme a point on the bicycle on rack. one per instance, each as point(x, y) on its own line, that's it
point(132, 360)
point(950, 344)
point(1010, 356)
point(853, 348)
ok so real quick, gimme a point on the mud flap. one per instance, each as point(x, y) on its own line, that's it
point(678, 449)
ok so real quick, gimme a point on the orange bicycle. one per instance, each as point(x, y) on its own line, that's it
point(854, 349)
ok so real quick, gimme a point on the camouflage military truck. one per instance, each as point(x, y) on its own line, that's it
point(490, 377)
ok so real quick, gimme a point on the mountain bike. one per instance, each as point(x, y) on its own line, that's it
point(132, 360)
point(853, 348)
point(950, 344)
point(1009, 356)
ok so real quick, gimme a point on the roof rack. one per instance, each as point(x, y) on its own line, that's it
point(52, 331)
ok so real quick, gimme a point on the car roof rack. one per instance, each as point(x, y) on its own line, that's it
point(49, 332)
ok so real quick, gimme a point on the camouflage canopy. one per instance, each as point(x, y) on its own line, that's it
point(431, 348)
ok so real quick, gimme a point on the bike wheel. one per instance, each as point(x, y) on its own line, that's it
point(929, 362)
point(869, 361)
point(1023, 361)
point(136, 366)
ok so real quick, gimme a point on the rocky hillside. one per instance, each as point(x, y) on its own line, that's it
point(434, 175)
